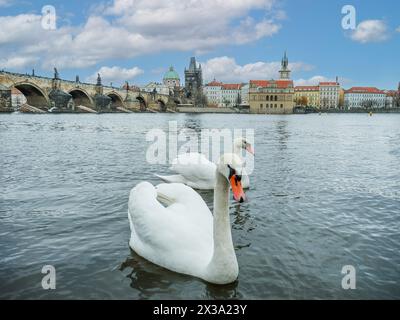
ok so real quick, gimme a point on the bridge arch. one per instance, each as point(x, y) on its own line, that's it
point(162, 105)
point(81, 97)
point(116, 99)
point(142, 102)
point(34, 95)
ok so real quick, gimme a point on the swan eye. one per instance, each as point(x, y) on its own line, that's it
point(231, 171)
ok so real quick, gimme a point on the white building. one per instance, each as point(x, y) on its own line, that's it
point(364, 97)
point(245, 94)
point(231, 94)
point(226, 94)
point(213, 92)
point(329, 93)
point(391, 98)
point(159, 87)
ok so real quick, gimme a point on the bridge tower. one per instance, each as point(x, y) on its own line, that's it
point(102, 102)
point(59, 99)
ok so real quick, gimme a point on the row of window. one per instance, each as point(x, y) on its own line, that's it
point(270, 106)
point(266, 98)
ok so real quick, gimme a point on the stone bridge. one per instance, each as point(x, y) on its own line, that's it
point(57, 95)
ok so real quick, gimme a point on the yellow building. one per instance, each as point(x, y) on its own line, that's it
point(307, 96)
point(273, 96)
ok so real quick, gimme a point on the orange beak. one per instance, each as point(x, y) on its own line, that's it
point(249, 149)
point(238, 193)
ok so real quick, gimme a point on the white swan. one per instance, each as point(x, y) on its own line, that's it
point(172, 226)
point(196, 171)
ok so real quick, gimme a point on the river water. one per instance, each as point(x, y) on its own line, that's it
point(325, 193)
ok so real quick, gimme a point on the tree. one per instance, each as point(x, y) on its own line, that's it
point(367, 104)
point(238, 100)
point(303, 101)
point(396, 98)
point(226, 102)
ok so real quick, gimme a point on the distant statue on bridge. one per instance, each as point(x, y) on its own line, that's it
point(153, 93)
point(56, 74)
point(77, 79)
point(98, 79)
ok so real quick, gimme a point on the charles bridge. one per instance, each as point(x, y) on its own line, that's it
point(45, 94)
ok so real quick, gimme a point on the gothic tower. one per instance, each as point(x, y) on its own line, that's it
point(285, 72)
point(99, 86)
point(194, 82)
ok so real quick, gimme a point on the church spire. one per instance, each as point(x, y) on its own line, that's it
point(192, 66)
point(285, 72)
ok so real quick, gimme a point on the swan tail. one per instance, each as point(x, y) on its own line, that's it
point(172, 179)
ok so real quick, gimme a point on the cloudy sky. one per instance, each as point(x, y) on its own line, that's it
point(235, 40)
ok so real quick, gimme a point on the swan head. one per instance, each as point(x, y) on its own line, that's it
point(230, 166)
point(242, 143)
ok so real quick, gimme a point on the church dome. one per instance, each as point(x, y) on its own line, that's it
point(171, 74)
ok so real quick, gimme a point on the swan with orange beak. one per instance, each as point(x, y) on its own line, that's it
point(235, 179)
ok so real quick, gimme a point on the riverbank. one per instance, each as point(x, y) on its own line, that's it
point(195, 110)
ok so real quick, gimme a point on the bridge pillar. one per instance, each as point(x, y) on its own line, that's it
point(5, 99)
point(60, 100)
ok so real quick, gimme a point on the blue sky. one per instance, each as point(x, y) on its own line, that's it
point(235, 40)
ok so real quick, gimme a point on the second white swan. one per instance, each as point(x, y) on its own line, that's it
point(196, 171)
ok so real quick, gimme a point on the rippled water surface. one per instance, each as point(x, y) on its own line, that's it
point(325, 193)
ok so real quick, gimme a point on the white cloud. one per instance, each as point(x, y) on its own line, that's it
point(226, 69)
point(312, 81)
point(129, 28)
point(115, 74)
point(370, 31)
point(17, 62)
point(6, 3)
point(318, 78)
point(398, 29)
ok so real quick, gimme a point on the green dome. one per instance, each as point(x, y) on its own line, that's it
point(171, 74)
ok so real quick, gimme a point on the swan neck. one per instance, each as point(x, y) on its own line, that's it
point(223, 262)
point(222, 225)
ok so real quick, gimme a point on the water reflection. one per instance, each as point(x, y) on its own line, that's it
point(147, 277)
point(193, 123)
point(229, 291)
point(283, 135)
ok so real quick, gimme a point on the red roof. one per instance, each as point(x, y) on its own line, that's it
point(391, 93)
point(281, 84)
point(305, 88)
point(328, 84)
point(231, 86)
point(214, 84)
point(364, 90)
